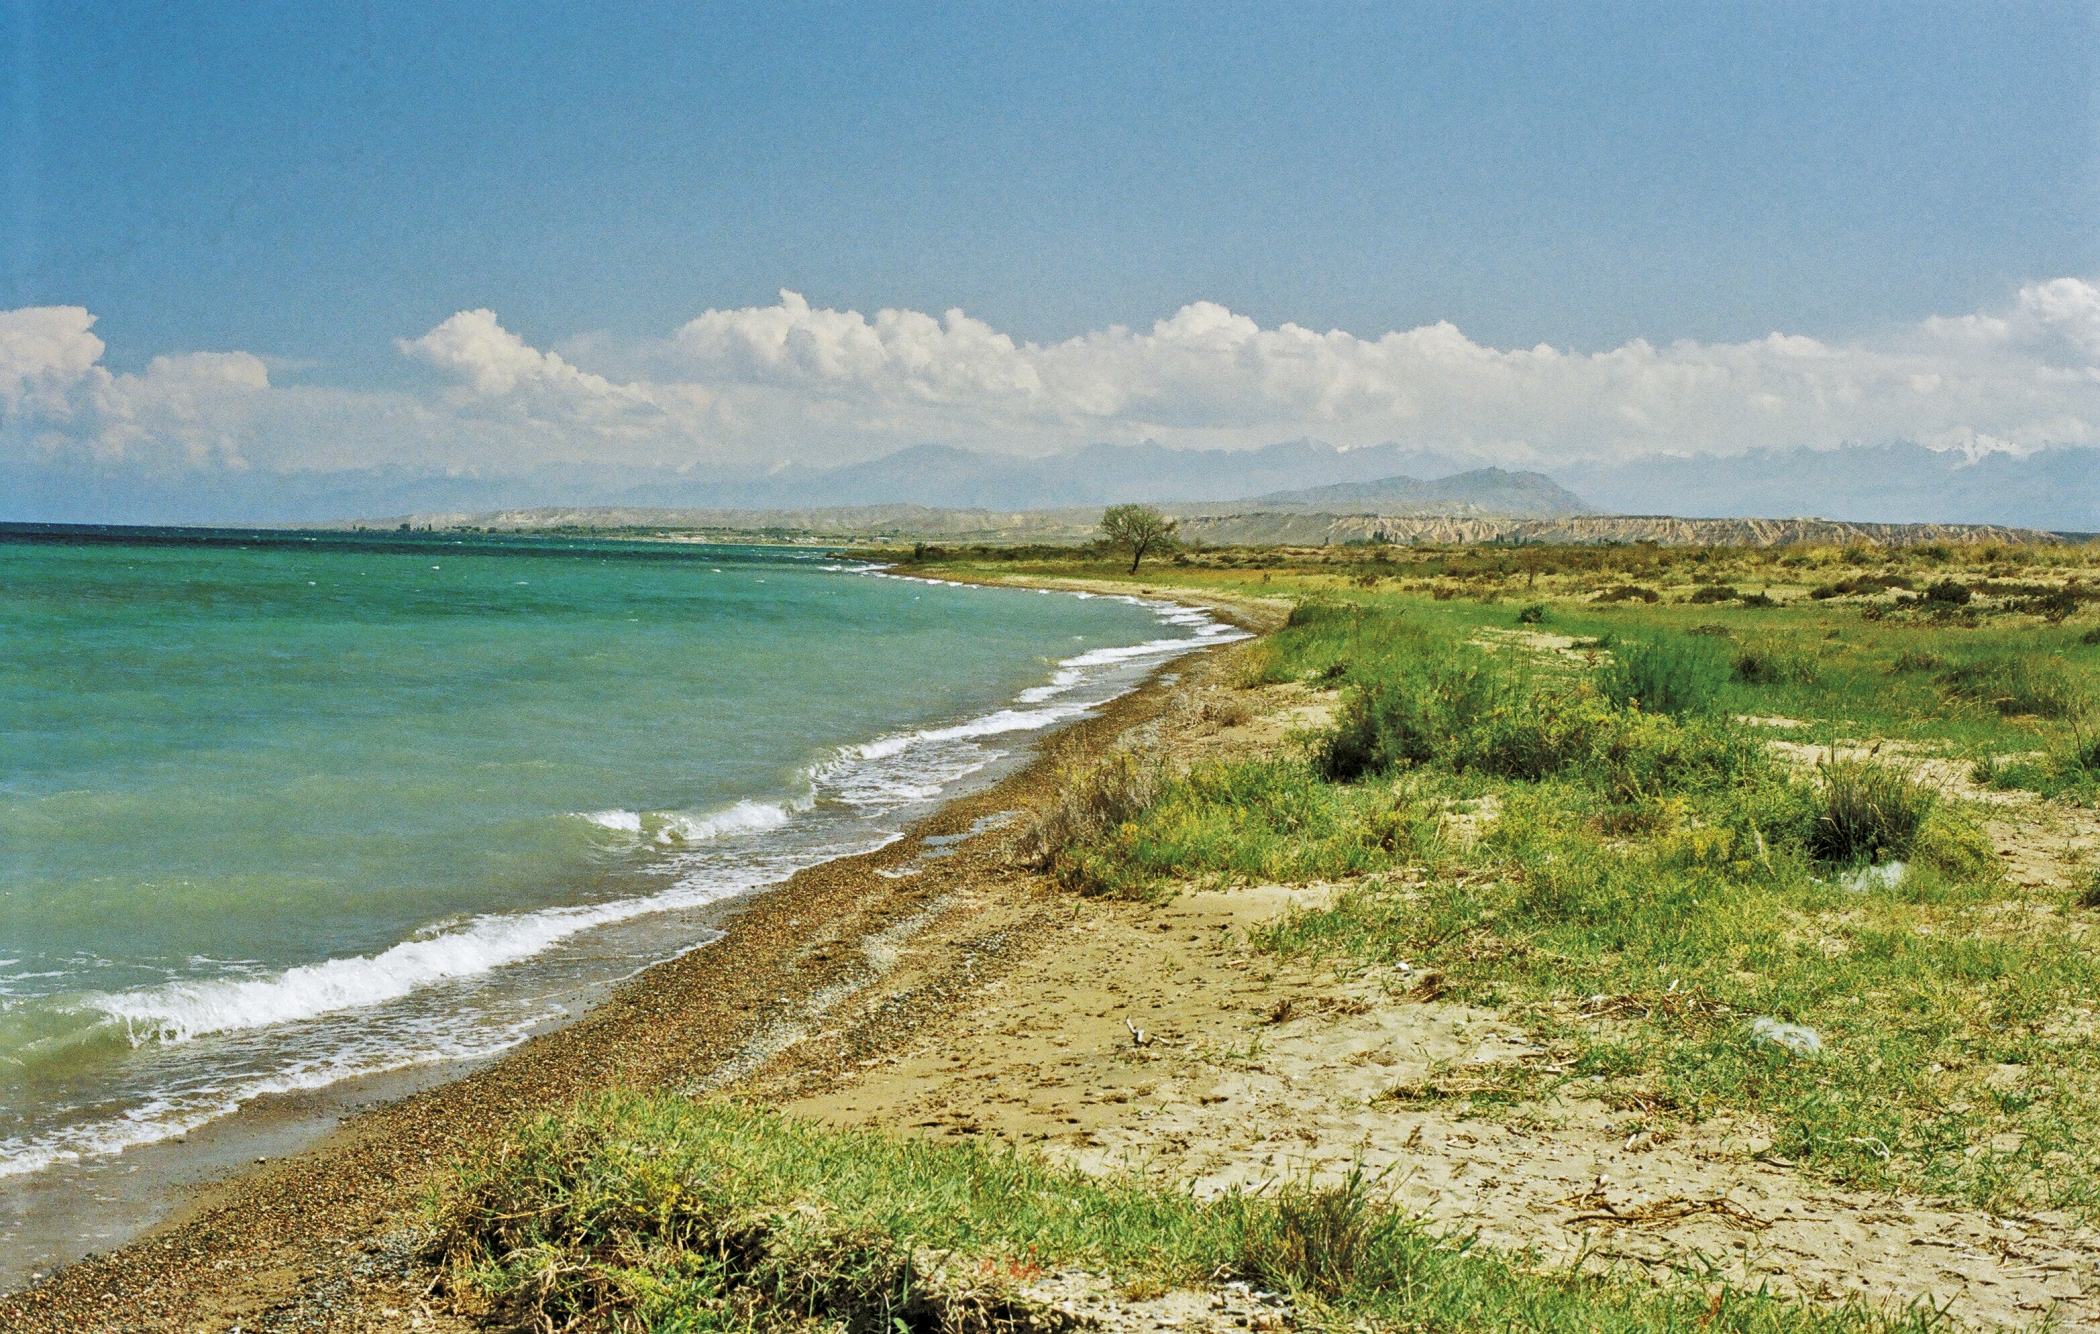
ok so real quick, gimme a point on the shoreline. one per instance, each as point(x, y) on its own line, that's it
point(245, 1241)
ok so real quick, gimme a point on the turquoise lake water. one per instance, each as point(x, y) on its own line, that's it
point(276, 810)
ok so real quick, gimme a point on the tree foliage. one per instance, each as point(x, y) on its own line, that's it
point(1138, 529)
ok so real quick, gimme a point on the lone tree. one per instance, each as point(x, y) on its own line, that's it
point(1141, 528)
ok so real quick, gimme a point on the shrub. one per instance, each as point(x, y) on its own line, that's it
point(1628, 593)
point(1713, 593)
point(1770, 664)
point(1869, 812)
point(1955, 847)
point(1758, 600)
point(1318, 1239)
point(1535, 614)
point(1409, 716)
point(1089, 804)
point(1246, 822)
point(1867, 584)
point(2017, 684)
point(2053, 606)
point(2091, 636)
point(1677, 674)
point(1642, 756)
point(1949, 592)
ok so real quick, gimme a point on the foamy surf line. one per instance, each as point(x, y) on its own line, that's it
point(872, 778)
point(184, 1011)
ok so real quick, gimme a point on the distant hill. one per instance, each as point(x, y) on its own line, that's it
point(944, 475)
point(1313, 530)
point(1484, 491)
point(2056, 488)
point(894, 524)
point(833, 523)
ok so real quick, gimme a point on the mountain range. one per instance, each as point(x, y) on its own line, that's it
point(1481, 491)
point(2056, 488)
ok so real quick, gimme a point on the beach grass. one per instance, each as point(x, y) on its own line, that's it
point(1538, 794)
point(2011, 670)
point(1655, 893)
point(663, 1213)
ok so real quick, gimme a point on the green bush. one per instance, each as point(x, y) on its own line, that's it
point(1768, 664)
point(1240, 823)
point(1643, 755)
point(1675, 674)
point(1869, 813)
point(2016, 684)
point(1628, 593)
point(1418, 704)
point(1090, 804)
point(1949, 592)
point(1327, 641)
point(1460, 709)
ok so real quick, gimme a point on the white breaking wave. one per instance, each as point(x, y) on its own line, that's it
point(991, 724)
point(670, 828)
point(1071, 672)
point(746, 817)
point(167, 1117)
point(180, 1011)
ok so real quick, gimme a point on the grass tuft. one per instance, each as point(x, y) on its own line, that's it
point(1673, 674)
point(1318, 1239)
point(1765, 663)
point(2024, 684)
point(1091, 805)
point(1870, 812)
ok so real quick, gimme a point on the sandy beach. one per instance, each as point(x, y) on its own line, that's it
point(938, 988)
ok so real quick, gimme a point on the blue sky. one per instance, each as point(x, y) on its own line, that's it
point(311, 186)
point(317, 189)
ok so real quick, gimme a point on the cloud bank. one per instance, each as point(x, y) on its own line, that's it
point(741, 391)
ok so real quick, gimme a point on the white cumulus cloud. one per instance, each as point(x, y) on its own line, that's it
point(749, 388)
point(1207, 375)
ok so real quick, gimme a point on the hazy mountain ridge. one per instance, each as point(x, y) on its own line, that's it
point(2055, 488)
point(905, 523)
point(1483, 491)
point(1302, 529)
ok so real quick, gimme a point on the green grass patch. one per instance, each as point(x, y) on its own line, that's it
point(1654, 884)
point(2017, 684)
point(660, 1213)
point(1681, 675)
